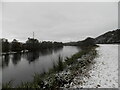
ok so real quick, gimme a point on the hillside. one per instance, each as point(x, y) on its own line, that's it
point(110, 37)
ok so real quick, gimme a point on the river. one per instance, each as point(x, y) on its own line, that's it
point(22, 67)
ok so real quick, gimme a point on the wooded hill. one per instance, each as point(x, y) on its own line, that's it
point(110, 37)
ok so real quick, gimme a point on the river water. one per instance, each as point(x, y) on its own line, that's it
point(22, 67)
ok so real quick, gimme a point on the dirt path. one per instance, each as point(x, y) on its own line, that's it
point(104, 73)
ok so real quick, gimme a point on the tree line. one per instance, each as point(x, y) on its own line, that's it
point(31, 45)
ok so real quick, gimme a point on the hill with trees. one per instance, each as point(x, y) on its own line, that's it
point(111, 37)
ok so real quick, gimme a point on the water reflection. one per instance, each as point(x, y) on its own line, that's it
point(32, 56)
point(16, 58)
point(5, 60)
point(78, 47)
point(46, 52)
point(29, 56)
point(57, 49)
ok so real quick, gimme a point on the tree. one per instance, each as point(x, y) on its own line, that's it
point(16, 46)
point(32, 44)
point(5, 45)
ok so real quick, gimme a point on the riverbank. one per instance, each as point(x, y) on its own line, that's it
point(62, 74)
point(104, 73)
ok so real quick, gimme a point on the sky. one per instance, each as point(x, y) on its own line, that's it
point(58, 21)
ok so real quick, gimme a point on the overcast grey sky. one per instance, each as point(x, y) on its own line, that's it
point(60, 21)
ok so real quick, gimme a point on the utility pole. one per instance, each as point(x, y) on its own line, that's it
point(33, 35)
point(33, 41)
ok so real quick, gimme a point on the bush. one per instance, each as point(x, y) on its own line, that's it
point(60, 64)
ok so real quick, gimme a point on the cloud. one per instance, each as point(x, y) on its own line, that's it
point(58, 21)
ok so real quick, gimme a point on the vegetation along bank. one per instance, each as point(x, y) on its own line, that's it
point(62, 74)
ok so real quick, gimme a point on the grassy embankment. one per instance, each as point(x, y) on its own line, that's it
point(62, 73)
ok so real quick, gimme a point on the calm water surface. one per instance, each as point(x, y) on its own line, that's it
point(21, 67)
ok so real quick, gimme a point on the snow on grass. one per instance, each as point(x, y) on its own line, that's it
point(104, 73)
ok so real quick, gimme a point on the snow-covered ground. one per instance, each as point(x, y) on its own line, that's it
point(104, 73)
